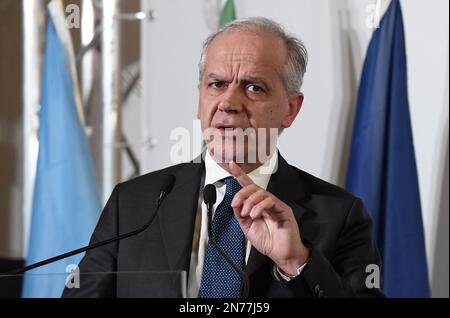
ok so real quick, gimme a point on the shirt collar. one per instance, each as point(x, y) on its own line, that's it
point(260, 176)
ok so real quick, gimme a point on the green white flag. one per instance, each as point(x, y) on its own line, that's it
point(228, 13)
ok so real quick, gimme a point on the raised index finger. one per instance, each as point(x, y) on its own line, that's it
point(243, 179)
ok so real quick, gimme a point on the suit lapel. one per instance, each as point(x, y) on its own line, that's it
point(177, 216)
point(286, 185)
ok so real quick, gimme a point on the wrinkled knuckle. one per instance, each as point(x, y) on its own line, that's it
point(261, 192)
point(251, 200)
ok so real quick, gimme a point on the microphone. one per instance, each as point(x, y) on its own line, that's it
point(166, 187)
point(209, 197)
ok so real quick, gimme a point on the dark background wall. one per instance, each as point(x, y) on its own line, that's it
point(10, 126)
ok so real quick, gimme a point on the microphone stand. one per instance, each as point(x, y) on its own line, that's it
point(167, 187)
point(236, 267)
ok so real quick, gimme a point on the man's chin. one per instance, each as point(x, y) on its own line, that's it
point(224, 156)
point(241, 151)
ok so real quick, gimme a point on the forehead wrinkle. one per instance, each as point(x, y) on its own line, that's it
point(235, 62)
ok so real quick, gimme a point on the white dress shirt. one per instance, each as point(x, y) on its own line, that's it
point(213, 174)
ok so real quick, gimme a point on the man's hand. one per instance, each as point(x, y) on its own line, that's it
point(268, 223)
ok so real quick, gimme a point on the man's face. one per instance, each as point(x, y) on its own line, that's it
point(242, 87)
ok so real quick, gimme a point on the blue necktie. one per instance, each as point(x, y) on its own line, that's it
point(219, 279)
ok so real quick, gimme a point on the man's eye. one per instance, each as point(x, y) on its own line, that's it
point(255, 88)
point(217, 85)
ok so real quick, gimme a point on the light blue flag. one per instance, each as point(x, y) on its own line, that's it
point(382, 167)
point(66, 202)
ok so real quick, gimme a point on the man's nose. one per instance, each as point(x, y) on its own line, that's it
point(232, 101)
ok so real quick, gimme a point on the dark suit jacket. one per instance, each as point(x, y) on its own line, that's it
point(333, 222)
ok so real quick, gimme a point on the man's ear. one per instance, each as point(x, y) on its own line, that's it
point(198, 110)
point(198, 106)
point(295, 101)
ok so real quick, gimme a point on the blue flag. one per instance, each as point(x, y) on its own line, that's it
point(382, 166)
point(66, 202)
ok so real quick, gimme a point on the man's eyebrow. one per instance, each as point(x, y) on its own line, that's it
point(246, 79)
point(215, 76)
point(254, 79)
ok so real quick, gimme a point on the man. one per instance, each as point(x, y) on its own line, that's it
point(293, 234)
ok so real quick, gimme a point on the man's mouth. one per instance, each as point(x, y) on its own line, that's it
point(228, 130)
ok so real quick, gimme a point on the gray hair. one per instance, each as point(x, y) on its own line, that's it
point(297, 55)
